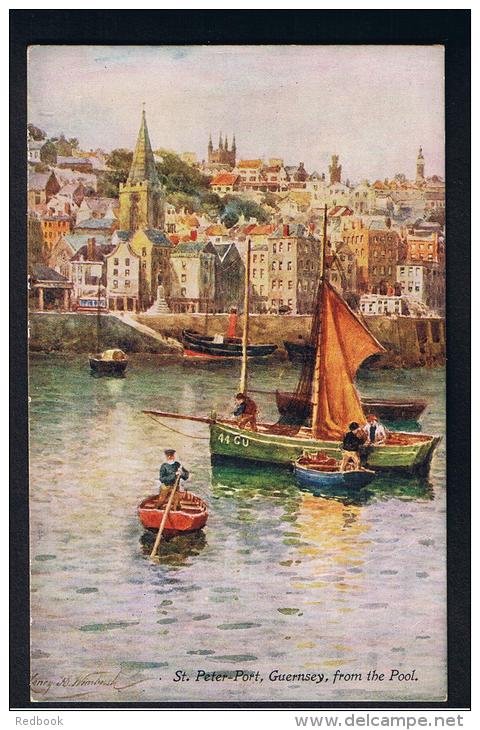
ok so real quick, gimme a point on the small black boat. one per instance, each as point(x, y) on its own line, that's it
point(299, 351)
point(200, 346)
point(385, 410)
point(109, 362)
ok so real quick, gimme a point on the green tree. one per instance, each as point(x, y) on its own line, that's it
point(234, 207)
point(118, 164)
point(437, 216)
point(179, 176)
point(48, 153)
point(36, 133)
point(63, 147)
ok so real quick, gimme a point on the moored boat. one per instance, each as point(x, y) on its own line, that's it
point(109, 362)
point(191, 515)
point(218, 347)
point(386, 410)
point(321, 472)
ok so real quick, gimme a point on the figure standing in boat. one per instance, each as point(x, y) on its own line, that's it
point(169, 471)
point(245, 412)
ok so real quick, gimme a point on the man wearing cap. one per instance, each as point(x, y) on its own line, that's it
point(169, 471)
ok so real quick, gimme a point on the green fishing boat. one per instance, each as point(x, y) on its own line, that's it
point(412, 455)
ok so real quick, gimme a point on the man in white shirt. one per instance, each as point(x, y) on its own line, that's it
point(374, 431)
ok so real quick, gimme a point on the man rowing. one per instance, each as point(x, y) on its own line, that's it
point(170, 470)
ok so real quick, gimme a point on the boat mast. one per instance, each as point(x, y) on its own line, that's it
point(317, 373)
point(246, 307)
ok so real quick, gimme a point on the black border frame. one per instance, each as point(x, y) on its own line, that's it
point(450, 28)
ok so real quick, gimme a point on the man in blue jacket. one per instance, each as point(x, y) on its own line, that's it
point(169, 471)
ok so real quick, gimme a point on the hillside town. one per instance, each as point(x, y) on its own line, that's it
point(159, 232)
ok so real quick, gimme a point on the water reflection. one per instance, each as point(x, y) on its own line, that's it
point(246, 480)
point(177, 550)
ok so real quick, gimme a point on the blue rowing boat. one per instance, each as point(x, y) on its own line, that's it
point(324, 473)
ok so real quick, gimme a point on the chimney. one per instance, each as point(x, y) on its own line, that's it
point(286, 229)
point(91, 249)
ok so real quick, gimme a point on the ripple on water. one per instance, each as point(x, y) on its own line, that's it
point(108, 626)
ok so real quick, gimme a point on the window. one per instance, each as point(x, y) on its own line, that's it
point(115, 262)
point(115, 284)
point(115, 272)
point(280, 283)
point(290, 284)
point(254, 258)
point(254, 273)
point(274, 248)
point(262, 271)
point(127, 272)
point(262, 258)
point(144, 251)
point(290, 302)
point(280, 265)
point(127, 283)
point(274, 284)
point(127, 263)
point(280, 247)
point(144, 265)
point(289, 265)
point(274, 265)
point(289, 245)
point(183, 278)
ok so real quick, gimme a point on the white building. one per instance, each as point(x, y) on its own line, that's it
point(378, 304)
point(123, 277)
point(423, 282)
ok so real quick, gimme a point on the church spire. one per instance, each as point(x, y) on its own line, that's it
point(143, 163)
point(234, 146)
point(220, 142)
point(226, 143)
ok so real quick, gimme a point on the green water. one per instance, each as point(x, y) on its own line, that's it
point(279, 579)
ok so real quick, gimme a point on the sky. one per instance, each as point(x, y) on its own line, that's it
point(371, 105)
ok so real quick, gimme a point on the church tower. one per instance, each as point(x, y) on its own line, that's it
point(335, 170)
point(142, 200)
point(420, 176)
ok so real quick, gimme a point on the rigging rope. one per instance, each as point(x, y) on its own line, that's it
point(186, 435)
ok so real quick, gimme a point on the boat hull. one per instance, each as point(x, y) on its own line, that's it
point(108, 367)
point(178, 522)
point(197, 346)
point(314, 479)
point(385, 410)
point(275, 448)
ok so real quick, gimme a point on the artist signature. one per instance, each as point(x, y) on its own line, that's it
point(83, 684)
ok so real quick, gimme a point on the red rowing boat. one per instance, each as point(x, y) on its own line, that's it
point(191, 515)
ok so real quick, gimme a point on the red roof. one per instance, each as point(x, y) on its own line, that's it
point(225, 178)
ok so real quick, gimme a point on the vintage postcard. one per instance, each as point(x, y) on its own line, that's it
point(236, 262)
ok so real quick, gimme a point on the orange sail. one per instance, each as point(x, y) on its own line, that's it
point(344, 342)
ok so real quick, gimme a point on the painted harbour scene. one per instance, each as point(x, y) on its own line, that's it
point(237, 378)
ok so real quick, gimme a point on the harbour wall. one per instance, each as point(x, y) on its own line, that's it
point(409, 342)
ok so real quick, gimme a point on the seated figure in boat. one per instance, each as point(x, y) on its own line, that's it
point(374, 431)
point(246, 412)
point(169, 471)
point(352, 444)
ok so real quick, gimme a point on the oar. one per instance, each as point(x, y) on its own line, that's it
point(164, 518)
